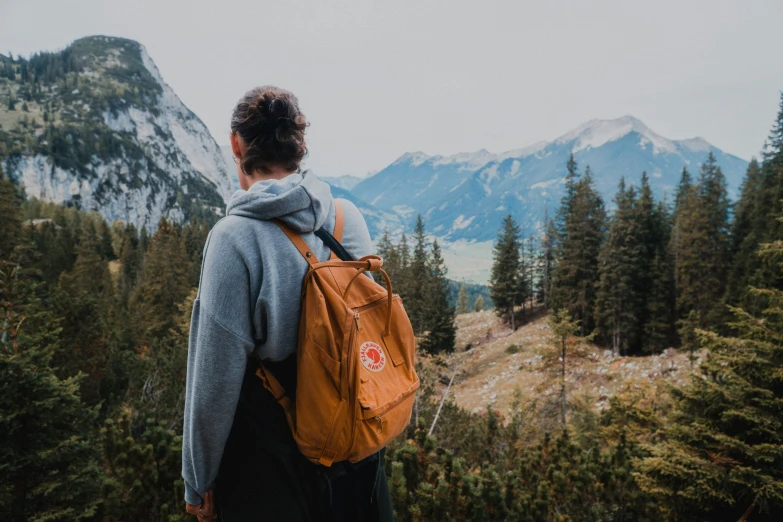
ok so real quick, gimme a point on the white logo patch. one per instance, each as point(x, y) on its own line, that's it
point(372, 357)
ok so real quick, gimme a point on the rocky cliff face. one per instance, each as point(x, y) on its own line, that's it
point(96, 126)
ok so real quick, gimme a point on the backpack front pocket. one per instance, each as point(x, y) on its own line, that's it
point(317, 393)
point(376, 426)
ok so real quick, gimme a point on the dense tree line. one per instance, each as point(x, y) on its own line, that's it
point(93, 345)
point(637, 276)
point(419, 276)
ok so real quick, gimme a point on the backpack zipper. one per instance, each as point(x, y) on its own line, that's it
point(389, 407)
point(379, 302)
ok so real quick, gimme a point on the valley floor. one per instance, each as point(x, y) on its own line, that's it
point(489, 372)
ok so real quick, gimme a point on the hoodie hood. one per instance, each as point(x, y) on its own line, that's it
point(301, 201)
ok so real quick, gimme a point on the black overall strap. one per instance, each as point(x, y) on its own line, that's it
point(334, 245)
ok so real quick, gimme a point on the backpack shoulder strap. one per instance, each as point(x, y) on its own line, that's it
point(298, 242)
point(332, 240)
point(339, 220)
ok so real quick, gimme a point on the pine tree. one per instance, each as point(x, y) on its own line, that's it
point(567, 202)
point(83, 299)
point(659, 327)
point(702, 261)
point(56, 242)
point(391, 262)
point(683, 202)
point(745, 236)
point(506, 288)
point(418, 302)
point(463, 300)
point(194, 236)
point(774, 145)
point(163, 283)
point(619, 301)
point(568, 345)
point(650, 230)
point(50, 469)
point(722, 455)
point(442, 331)
point(478, 304)
point(575, 278)
point(163, 392)
point(529, 269)
point(10, 216)
point(144, 479)
point(546, 260)
point(403, 262)
point(762, 197)
point(130, 260)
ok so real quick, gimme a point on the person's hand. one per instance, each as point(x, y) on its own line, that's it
point(206, 511)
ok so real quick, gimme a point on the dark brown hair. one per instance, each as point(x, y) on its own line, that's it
point(269, 121)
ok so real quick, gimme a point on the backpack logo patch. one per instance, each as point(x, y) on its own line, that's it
point(372, 357)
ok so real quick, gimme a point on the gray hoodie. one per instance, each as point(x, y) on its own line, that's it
point(249, 302)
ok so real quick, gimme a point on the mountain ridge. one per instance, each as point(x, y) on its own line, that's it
point(483, 156)
point(95, 125)
point(464, 196)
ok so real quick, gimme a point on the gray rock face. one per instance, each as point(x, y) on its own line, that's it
point(108, 134)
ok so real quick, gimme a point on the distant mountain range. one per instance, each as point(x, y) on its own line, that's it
point(466, 196)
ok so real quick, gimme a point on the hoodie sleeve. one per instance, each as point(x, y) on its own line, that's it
point(220, 343)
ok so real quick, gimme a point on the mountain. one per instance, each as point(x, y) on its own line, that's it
point(228, 157)
point(465, 196)
point(95, 126)
point(346, 182)
point(377, 220)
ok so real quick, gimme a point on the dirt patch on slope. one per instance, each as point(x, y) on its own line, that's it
point(488, 371)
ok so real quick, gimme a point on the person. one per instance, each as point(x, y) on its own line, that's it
point(239, 458)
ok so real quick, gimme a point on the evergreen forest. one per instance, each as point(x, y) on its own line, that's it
point(94, 338)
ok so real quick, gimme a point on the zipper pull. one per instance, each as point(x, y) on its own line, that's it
point(358, 322)
point(380, 422)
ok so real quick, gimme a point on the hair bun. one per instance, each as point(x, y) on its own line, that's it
point(269, 121)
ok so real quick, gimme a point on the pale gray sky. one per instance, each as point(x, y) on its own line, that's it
point(379, 78)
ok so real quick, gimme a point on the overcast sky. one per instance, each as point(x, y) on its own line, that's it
point(378, 79)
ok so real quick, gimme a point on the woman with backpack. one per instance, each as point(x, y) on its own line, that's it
point(240, 461)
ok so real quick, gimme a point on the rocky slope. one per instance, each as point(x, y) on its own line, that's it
point(95, 126)
point(500, 361)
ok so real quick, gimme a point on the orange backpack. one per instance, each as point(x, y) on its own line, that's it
point(355, 374)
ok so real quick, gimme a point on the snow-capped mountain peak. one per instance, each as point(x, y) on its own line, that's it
point(475, 159)
point(696, 144)
point(466, 196)
point(414, 158)
point(524, 151)
point(596, 133)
